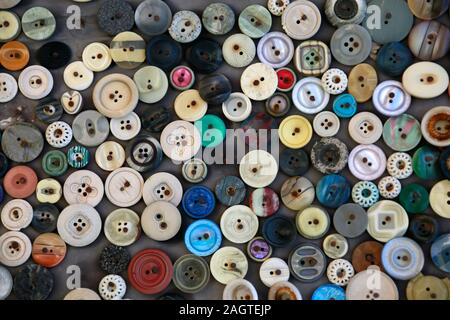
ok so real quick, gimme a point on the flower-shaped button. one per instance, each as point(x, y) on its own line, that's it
point(83, 187)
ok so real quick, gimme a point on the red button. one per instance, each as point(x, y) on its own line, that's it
point(286, 79)
point(20, 182)
point(150, 271)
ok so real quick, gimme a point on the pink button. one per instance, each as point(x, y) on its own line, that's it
point(182, 77)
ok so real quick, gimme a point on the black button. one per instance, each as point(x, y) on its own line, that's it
point(423, 228)
point(294, 162)
point(155, 119)
point(278, 231)
point(205, 55)
point(164, 52)
point(54, 55)
point(3, 165)
point(215, 88)
point(45, 217)
point(114, 259)
point(33, 282)
point(144, 153)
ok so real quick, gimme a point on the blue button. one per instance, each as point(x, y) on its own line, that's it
point(278, 231)
point(198, 202)
point(203, 237)
point(328, 292)
point(402, 258)
point(333, 190)
point(164, 52)
point(345, 105)
point(2, 194)
point(393, 58)
point(440, 252)
point(230, 190)
point(3, 164)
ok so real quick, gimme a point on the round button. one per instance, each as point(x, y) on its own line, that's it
point(333, 190)
point(259, 81)
point(4, 166)
point(38, 23)
point(362, 82)
point(255, 21)
point(84, 187)
point(391, 99)
point(259, 249)
point(112, 287)
point(123, 187)
point(365, 193)
point(239, 290)
point(389, 187)
point(335, 81)
point(54, 55)
point(49, 111)
point(7, 4)
point(307, 263)
point(264, 202)
point(198, 202)
point(434, 126)
point(328, 292)
point(10, 26)
point(341, 12)
point(212, 130)
point(14, 55)
point(182, 77)
point(144, 153)
point(35, 82)
point(153, 17)
point(367, 162)
point(360, 286)
point(90, 128)
point(48, 250)
point(277, 7)
point(44, 218)
point(122, 227)
point(6, 283)
point(309, 96)
point(350, 220)
point(273, 270)
point(163, 186)
point(71, 101)
point(152, 84)
point(48, 191)
point(115, 16)
point(312, 57)
point(161, 221)
point(440, 198)
point(15, 248)
point(393, 58)
point(16, 214)
point(399, 165)
point(329, 155)
point(227, 264)
point(402, 258)
point(114, 259)
point(230, 190)
point(284, 290)
point(351, 44)
point(237, 107)
point(297, 193)
point(110, 155)
point(444, 161)
point(258, 168)
point(239, 224)
point(22, 142)
point(33, 282)
point(77, 76)
point(367, 254)
point(238, 50)
point(335, 246)
point(58, 134)
point(128, 50)
point(312, 222)
point(427, 288)
point(340, 272)
point(191, 273)
point(218, 18)
point(278, 105)
point(194, 170)
point(205, 55)
point(428, 40)
point(275, 49)
point(164, 52)
point(286, 79)
point(186, 26)
point(203, 237)
point(301, 20)
point(387, 220)
point(278, 231)
point(426, 163)
point(425, 80)
point(345, 105)
point(425, 10)
point(180, 140)
point(78, 157)
point(96, 57)
point(126, 127)
point(189, 105)
point(294, 162)
point(8, 87)
point(440, 252)
point(423, 228)
point(20, 182)
point(295, 132)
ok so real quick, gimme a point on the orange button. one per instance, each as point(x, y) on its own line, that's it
point(48, 250)
point(20, 182)
point(14, 55)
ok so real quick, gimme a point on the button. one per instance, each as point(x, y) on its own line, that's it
point(425, 80)
point(198, 202)
point(161, 220)
point(16, 214)
point(204, 55)
point(273, 270)
point(423, 228)
point(49, 111)
point(312, 222)
point(367, 162)
point(444, 161)
point(14, 55)
point(44, 218)
point(389, 187)
point(218, 18)
point(284, 290)
point(203, 237)
point(328, 292)
point(115, 16)
point(258, 168)
point(215, 88)
point(33, 282)
point(227, 264)
point(295, 131)
point(428, 40)
point(393, 58)
point(362, 82)
point(22, 142)
point(264, 202)
point(294, 162)
point(259, 249)
point(78, 157)
point(312, 57)
point(48, 191)
point(340, 272)
point(20, 182)
point(367, 254)
point(16, 248)
point(150, 271)
point(238, 50)
point(239, 224)
point(110, 155)
point(162, 186)
point(335, 246)
point(255, 21)
point(126, 127)
point(307, 262)
point(387, 220)
point(48, 250)
point(7, 4)
point(54, 55)
point(8, 87)
point(365, 193)
point(301, 20)
point(333, 190)
point(278, 105)
point(180, 140)
point(440, 252)
point(309, 96)
point(277, 7)
point(191, 273)
point(237, 107)
point(440, 198)
point(329, 155)
point(71, 101)
point(152, 84)
point(144, 153)
point(391, 99)
point(114, 259)
point(38, 23)
point(3, 165)
point(286, 79)
point(58, 134)
point(351, 44)
point(194, 170)
point(341, 12)
point(278, 231)
point(6, 283)
point(230, 190)
point(123, 187)
point(434, 126)
point(212, 129)
point(122, 227)
point(345, 105)
point(297, 193)
point(426, 163)
point(399, 165)
point(182, 77)
point(83, 187)
point(156, 119)
point(77, 76)
point(10, 25)
point(186, 26)
point(259, 81)
point(427, 288)
point(361, 287)
point(164, 52)
point(350, 220)
point(239, 290)
point(112, 287)
point(153, 17)
point(96, 57)
point(35, 82)
point(425, 10)
point(275, 49)
point(402, 258)
point(335, 81)
point(396, 21)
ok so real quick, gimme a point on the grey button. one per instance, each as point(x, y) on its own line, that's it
point(350, 220)
point(351, 44)
point(90, 128)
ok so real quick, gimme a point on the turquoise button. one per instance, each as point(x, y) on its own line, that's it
point(203, 237)
point(78, 157)
point(328, 292)
point(426, 163)
point(345, 106)
point(212, 130)
point(414, 198)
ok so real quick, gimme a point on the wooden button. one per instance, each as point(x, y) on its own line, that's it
point(362, 82)
point(14, 55)
point(429, 40)
point(20, 182)
point(425, 80)
point(48, 250)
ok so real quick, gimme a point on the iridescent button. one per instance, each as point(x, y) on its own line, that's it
point(312, 57)
point(309, 96)
point(186, 26)
point(194, 170)
point(402, 258)
point(390, 98)
point(427, 288)
point(10, 26)
point(440, 252)
point(333, 190)
point(127, 50)
point(22, 142)
point(440, 198)
point(294, 162)
point(387, 220)
point(203, 237)
point(429, 40)
point(329, 155)
point(227, 264)
point(161, 221)
point(297, 193)
point(393, 58)
point(230, 190)
point(423, 228)
point(259, 81)
point(180, 140)
point(38, 23)
point(402, 133)
point(307, 262)
point(427, 10)
point(162, 186)
point(153, 17)
point(345, 105)
point(238, 50)
point(425, 80)
point(335, 246)
point(351, 44)
point(312, 222)
point(301, 20)
point(239, 224)
point(190, 273)
point(8, 87)
point(367, 162)
point(255, 21)
point(259, 249)
point(365, 193)
point(182, 77)
point(151, 83)
point(83, 187)
point(362, 82)
point(48, 191)
point(360, 286)
point(435, 126)
point(328, 292)
point(426, 163)
point(218, 18)
point(144, 153)
point(237, 107)
point(16, 214)
point(273, 270)
point(124, 186)
point(122, 227)
point(14, 55)
point(334, 81)
point(264, 202)
point(258, 168)
point(399, 165)
point(286, 79)
point(340, 12)
point(275, 49)
point(278, 231)
point(239, 290)
point(20, 182)
point(198, 202)
point(49, 111)
point(35, 82)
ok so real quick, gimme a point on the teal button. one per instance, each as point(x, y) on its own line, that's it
point(212, 130)
point(414, 198)
point(54, 163)
point(426, 163)
point(78, 157)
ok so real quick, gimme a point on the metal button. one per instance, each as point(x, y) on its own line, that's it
point(84, 187)
point(162, 186)
point(255, 21)
point(312, 222)
point(367, 162)
point(301, 20)
point(312, 57)
point(123, 187)
point(333, 190)
point(218, 18)
point(275, 49)
point(428, 40)
point(258, 168)
point(186, 26)
point(238, 50)
point(239, 224)
point(259, 81)
point(227, 264)
point(152, 84)
point(203, 237)
point(110, 155)
point(387, 220)
point(307, 262)
point(122, 227)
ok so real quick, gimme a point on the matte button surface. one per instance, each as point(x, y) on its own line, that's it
point(329, 155)
point(295, 132)
point(328, 292)
point(17, 214)
point(191, 273)
point(434, 126)
point(278, 105)
point(15, 248)
point(123, 187)
point(153, 17)
point(399, 165)
point(294, 162)
point(239, 290)
point(259, 249)
point(14, 55)
point(402, 133)
point(230, 190)
point(203, 237)
point(426, 163)
point(126, 127)
point(278, 231)
point(333, 190)
point(54, 55)
point(190, 106)
point(164, 52)
point(78, 157)
point(96, 57)
point(307, 262)
point(297, 193)
point(427, 10)
point(22, 142)
point(284, 290)
point(393, 58)
point(367, 254)
point(359, 287)
point(312, 57)
point(9, 4)
point(387, 220)
point(186, 26)
point(218, 18)
point(71, 101)
point(180, 140)
point(10, 25)
point(20, 182)
point(286, 79)
point(33, 282)
point(402, 258)
point(362, 82)
point(84, 187)
point(264, 202)
point(340, 12)
point(340, 272)
point(194, 170)
point(48, 191)
point(161, 221)
point(49, 111)
point(114, 259)
point(350, 220)
point(334, 81)
point(38, 23)
point(122, 227)
point(389, 187)
point(273, 270)
point(182, 77)
point(44, 218)
point(312, 222)
point(77, 76)
point(275, 49)
point(301, 20)
point(427, 288)
point(238, 50)
point(110, 155)
point(227, 264)
point(35, 82)
point(351, 44)
point(144, 153)
point(6, 283)
point(367, 162)
point(237, 107)
point(48, 250)
point(277, 7)
point(239, 224)
point(259, 81)
point(429, 40)
point(112, 287)
point(152, 84)
point(127, 50)
point(425, 80)
point(390, 98)
point(335, 246)
point(258, 168)
point(198, 202)
point(58, 134)
point(163, 186)
point(440, 197)
point(423, 228)
point(255, 21)
point(215, 88)
point(8, 87)
point(309, 96)
point(115, 16)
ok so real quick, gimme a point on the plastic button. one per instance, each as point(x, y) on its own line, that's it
point(428, 40)
point(180, 140)
point(297, 193)
point(112, 287)
point(48, 250)
point(286, 79)
point(278, 231)
point(255, 21)
point(335, 246)
point(334, 81)
point(38, 23)
point(264, 202)
point(189, 106)
point(230, 190)
point(16, 214)
point(123, 187)
point(350, 220)
point(97, 57)
point(360, 287)
point(71, 101)
point(162, 186)
point(275, 49)
point(237, 107)
point(16, 248)
point(402, 133)
point(365, 193)
point(8, 87)
point(54, 55)
point(48, 191)
point(259, 249)
point(389, 187)
point(307, 262)
point(312, 57)
point(273, 270)
point(90, 128)
point(22, 142)
point(425, 10)
point(284, 290)
point(238, 50)
point(58, 134)
point(345, 105)
point(122, 227)
point(212, 129)
point(259, 81)
point(35, 82)
point(294, 162)
point(144, 153)
point(203, 237)
point(427, 288)
point(367, 254)
point(301, 20)
point(191, 273)
point(227, 264)
point(367, 162)
point(426, 163)
point(194, 170)
point(423, 228)
point(198, 202)
point(49, 111)
point(126, 127)
point(215, 88)
point(161, 221)
point(182, 77)
point(33, 282)
point(328, 292)
point(312, 222)
point(239, 224)
point(204, 55)
point(7, 283)
point(362, 82)
point(295, 132)
point(434, 126)
point(341, 12)
point(186, 26)
point(440, 198)
point(278, 105)
point(10, 26)
point(78, 157)
point(333, 190)
point(153, 17)
point(277, 7)
point(20, 182)
point(340, 272)
point(77, 76)
point(393, 59)
point(351, 44)
point(440, 252)
point(391, 99)
point(258, 168)
point(329, 155)
point(309, 96)
point(164, 52)
point(84, 187)
point(44, 218)
point(425, 80)
point(115, 16)
point(218, 18)
point(239, 290)
point(151, 83)
point(387, 220)
point(110, 155)
point(402, 258)
point(127, 50)
point(14, 55)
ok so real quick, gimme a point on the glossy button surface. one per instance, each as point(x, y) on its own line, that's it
point(351, 44)
point(122, 227)
point(340, 12)
point(96, 57)
point(259, 81)
point(275, 49)
point(203, 237)
point(264, 202)
point(153, 17)
point(350, 220)
point(333, 190)
point(17, 214)
point(239, 290)
point(71, 101)
point(35, 82)
point(218, 18)
point(278, 231)
point(237, 107)
point(238, 50)
point(126, 127)
point(440, 252)
point(161, 220)
point(335, 246)
point(198, 202)
point(312, 57)
point(390, 98)
point(212, 130)
point(301, 20)
point(297, 193)
point(90, 128)
point(48, 250)
point(194, 170)
point(144, 153)
point(426, 163)
point(48, 191)
point(273, 270)
point(10, 26)
point(78, 157)
point(387, 220)
point(186, 26)
point(239, 224)
point(20, 182)
point(162, 186)
point(295, 131)
point(367, 254)
point(123, 187)
point(367, 162)
point(83, 186)
point(227, 264)
point(402, 258)
point(362, 82)
point(360, 287)
point(307, 262)
point(425, 80)
point(22, 142)
point(180, 140)
point(77, 76)
point(230, 190)
point(312, 222)
point(14, 55)
point(328, 292)
point(402, 133)
point(7, 4)
point(152, 84)
point(329, 155)
point(440, 198)
point(191, 273)
point(182, 77)
point(8, 87)
point(309, 96)
point(255, 21)
point(427, 10)
point(38, 23)
point(429, 40)
point(6, 283)
point(258, 168)
point(278, 105)
point(189, 106)
point(259, 249)
point(127, 50)
point(435, 126)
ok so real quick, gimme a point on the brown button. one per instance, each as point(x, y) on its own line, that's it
point(14, 55)
point(20, 182)
point(367, 254)
point(48, 250)
point(362, 82)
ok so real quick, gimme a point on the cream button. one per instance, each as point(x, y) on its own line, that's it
point(334, 81)
point(8, 87)
point(399, 165)
point(335, 246)
point(309, 96)
point(365, 128)
point(123, 187)
point(82, 293)
point(273, 270)
point(15, 248)
point(239, 224)
point(240, 290)
point(96, 57)
point(227, 264)
point(361, 286)
point(301, 19)
point(367, 162)
point(387, 220)
point(17, 214)
point(194, 170)
point(389, 187)
point(84, 187)
point(127, 127)
point(259, 81)
point(180, 140)
point(152, 84)
point(425, 80)
point(163, 186)
point(312, 222)
point(340, 272)
point(77, 76)
point(79, 225)
point(127, 50)
point(35, 82)
point(440, 198)
point(9, 26)
point(435, 126)
point(189, 106)
point(186, 26)
point(48, 191)
point(122, 227)
point(110, 155)
point(295, 132)
point(258, 168)
point(237, 107)
point(297, 193)
point(58, 134)
point(326, 124)
point(239, 50)
point(391, 99)
point(161, 221)
point(275, 49)
point(72, 101)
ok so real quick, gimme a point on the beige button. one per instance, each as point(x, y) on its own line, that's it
point(77, 76)
point(9, 26)
point(122, 227)
point(110, 155)
point(273, 270)
point(163, 186)
point(72, 101)
point(180, 140)
point(326, 124)
point(15, 248)
point(258, 168)
point(440, 198)
point(365, 128)
point(259, 81)
point(239, 224)
point(312, 222)
point(161, 221)
point(152, 84)
point(17, 214)
point(435, 126)
point(335, 246)
point(48, 191)
point(371, 284)
point(387, 220)
point(96, 57)
point(127, 50)
point(284, 290)
point(227, 264)
point(35, 82)
point(239, 50)
point(83, 186)
point(362, 82)
point(297, 193)
point(301, 19)
point(123, 187)
point(127, 127)
point(425, 80)
point(189, 106)
point(82, 293)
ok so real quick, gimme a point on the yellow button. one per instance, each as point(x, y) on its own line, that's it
point(189, 106)
point(313, 222)
point(48, 191)
point(295, 132)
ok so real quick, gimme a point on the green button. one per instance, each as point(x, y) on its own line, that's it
point(426, 163)
point(54, 163)
point(212, 130)
point(38, 23)
point(414, 198)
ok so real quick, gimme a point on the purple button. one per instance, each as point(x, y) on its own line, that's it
point(258, 249)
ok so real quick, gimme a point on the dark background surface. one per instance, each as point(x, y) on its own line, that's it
point(87, 258)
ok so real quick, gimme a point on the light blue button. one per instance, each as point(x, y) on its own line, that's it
point(402, 258)
point(328, 292)
point(440, 252)
point(345, 106)
point(203, 237)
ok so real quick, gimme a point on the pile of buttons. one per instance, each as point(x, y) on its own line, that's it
point(112, 160)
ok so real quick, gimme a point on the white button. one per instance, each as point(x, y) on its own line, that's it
point(277, 7)
point(440, 198)
point(326, 124)
point(85, 187)
point(361, 287)
point(389, 187)
point(239, 50)
point(239, 224)
point(367, 162)
point(126, 127)
point(258, 168)
point(259, 81)
point(10, 26)
point(122, 227)
point(227, 264)
point(6, 283)
point(284, 290)
point(180, 140)
point(425, 80)
point(390, 99)
point(48, 191)
point(35, 82)
point(435, 126)
point(17, 214)
point(275, 49)
point(161, 221)
point(163, 186)
point(77, 76)
point(152, 84)
point(309, 96)
point(194, 170)
point(301, 19)
point(365, 128)
point(273, 270)
point(58, 134)
point(189, 106)
point(96, 57)
point(112, 287)
point(240, 290)
point(82, 293)
point(8, 87)
point(186, 26)
point(312, 222)
point(387, 220)
point(110, 156)
point(72, 101)
point(340, 272)
point(123, 187)
point(79, 225)
point(334, 81)
point(237, 107)
point(399, 165)
point(15, 248)
point(335, 246)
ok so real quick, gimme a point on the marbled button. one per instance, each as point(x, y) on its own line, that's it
point(10, 26)
point(258, 168)
point(390, 98)
point(335, 246)
point(54, 163)
point(255, 21)
point(365, 128)
point(90, 128)
point(275, 49)
point(58, 134)
point(33, 282)
point(180, 140)
point(83, 187)
point(294, 162)
point(49, 111)
point(440, 198)
point(264, 202)
point(161, 220)
point(297, 193)
point(259, 81)
point(362, 82)
point(327, 292)
point(8, 87)
point(124, 187)
point(367, 162)
point(309, 96)
point(127, 50)
point(329, 155)
point(435, 126)
point(186, 26)
point(238, 50)
point(367, 254)
point(14, 55)
point(301, 20)
point(239, 224)
point(278, 105)
point(227, 264)
point(259, 249)
point(230, 190)
point(427, 10)
point(273, 270)
point(307, 262)
point(414, 198)
point(429, 40)
point(387, 220)
point(365, 193)
point(425, 80)
point(312, 57)
point(153, 17)
point(16, 214)
point(35, 82)
point(237, 107)
point(22, 142)
point(402, 258)
point(144, 153)
point(164, 52)
point(49, 250)
point(122, 227)
point(312, 222)
point(44, 218)
point(162, 186)
point(333, 190)
point(20, 182)
point(402, 133)
point(38, 23)
point(115, 16)
point(151, 83)
point(48, 191)
point(15, 248)
point(426, 163)
point(218, 18)
point(340, 12)
point(351, 44)
point(194, 170)
point(215, 88)
point(439, 252)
